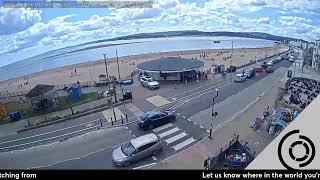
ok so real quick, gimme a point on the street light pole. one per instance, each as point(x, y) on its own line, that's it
point(213, 114)
point(105, 63)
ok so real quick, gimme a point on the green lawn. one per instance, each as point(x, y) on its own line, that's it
point(63, 102)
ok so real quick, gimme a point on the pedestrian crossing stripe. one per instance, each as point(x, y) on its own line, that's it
point(162, 127)
point(171, 131)
point(175, 138)
point(183, 144)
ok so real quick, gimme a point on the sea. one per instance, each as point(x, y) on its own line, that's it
point(94, 51)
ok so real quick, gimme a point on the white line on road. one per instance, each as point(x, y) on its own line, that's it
point(169, 132)
point(208, 131)
point(144, 166)
point(179, 114)
point(175, 138)
point(154, 158)
point(189, 119)
point(183, 116)
point(194, 123)
point(201, 127)
point(162, 127)
point(32, 142)
point(183, 144)
point(127, 127)
point(49, 132)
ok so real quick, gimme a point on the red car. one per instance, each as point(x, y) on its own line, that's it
point(259, 69)
point(269, 69)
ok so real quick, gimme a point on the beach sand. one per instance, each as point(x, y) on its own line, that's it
point(91, 70)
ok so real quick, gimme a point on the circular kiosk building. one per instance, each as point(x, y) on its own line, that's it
point(171, 68)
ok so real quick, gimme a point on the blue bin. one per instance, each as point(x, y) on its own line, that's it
point(15, 116)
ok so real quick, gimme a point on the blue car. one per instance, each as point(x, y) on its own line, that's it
point(154, 119)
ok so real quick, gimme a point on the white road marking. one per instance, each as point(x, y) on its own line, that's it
point(127, 127)
point(130, 132)
point(183, 144)
point(154, 158)
point(175, 138)
point(179, 114)
point(201, 127)
point(49, 132)
point(169, 132)
point(32, 142)
point(162, 127)
point(134, 135)
point(189, 119)
point(194, 123)
point(183, 116)
point(208, 131)
point(144, 166)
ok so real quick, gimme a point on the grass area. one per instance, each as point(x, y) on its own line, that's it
point(63, 102)
point(285, 105)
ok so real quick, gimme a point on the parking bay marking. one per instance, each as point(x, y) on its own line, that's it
point(162, 127)
point(169, 132)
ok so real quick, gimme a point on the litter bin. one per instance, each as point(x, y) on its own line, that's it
point(289, 74)
point(127, 95)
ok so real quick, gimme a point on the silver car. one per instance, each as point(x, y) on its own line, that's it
point(149, 82)
point(136, 149)
point(239, 77)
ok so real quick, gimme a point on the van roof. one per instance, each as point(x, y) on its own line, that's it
point(143, 140)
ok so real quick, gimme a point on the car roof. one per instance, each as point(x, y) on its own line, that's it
point(143, 140)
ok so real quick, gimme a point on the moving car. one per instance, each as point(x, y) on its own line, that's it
point(240, 77)
point(148, 82)
point(249, 73)
point(154, 119)
point(269, 69)
point(137, 149)
point(264, 65)
point(259, 69)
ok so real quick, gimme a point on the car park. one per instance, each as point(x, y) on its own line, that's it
point(269, 69)
point(154, 119)
point(148, 82)
point(137, 149)
point(239, 77)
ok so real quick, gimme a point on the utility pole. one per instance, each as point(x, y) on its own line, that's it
point(108, 81)
point(213, 114)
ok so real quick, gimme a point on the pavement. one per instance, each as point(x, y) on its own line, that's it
point(193, 157)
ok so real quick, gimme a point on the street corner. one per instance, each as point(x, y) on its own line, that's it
point(158, 101)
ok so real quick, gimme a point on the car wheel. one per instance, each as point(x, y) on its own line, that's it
point(155, 152)
point(126, 164)
point(173, 119)
point(151, 126)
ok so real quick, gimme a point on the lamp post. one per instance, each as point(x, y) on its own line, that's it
point(213, 114)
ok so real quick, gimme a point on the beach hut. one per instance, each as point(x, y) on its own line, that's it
point(75, 92)
point(42, 96)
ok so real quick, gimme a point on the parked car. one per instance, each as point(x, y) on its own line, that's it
point(137, 149)
point(154, 119)
point(291, 59)
point(264, 65)
point(269, 69)
point(270, 63)
point(259, 69)
point(249, 73)
point(148, 82)
point(240, 77)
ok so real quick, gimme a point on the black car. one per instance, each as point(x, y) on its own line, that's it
point(264, 65)
point(154, 119)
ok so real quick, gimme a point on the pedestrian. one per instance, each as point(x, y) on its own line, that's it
point(206, 75)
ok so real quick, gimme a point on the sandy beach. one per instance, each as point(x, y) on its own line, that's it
point(89, 72)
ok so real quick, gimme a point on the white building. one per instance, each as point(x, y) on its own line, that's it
point(316, 55)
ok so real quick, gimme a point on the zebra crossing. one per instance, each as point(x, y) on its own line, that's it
point(173, 136)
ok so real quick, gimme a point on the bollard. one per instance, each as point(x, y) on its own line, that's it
point(111, 121)
point(100, 122)
point(127, 118)
point(122, 120)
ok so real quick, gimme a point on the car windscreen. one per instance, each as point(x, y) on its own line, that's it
point(127, 149)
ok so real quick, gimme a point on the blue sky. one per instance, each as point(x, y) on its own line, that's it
point(28, 32)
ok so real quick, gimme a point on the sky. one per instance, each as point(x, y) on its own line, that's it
point(26, 32)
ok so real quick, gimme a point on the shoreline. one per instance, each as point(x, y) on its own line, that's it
point(89, 71)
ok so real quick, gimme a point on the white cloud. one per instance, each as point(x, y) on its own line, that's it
point(265, 20)
point(17, 19)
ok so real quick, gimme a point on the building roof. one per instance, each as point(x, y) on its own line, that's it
point(170, 64)
point(39, 90)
